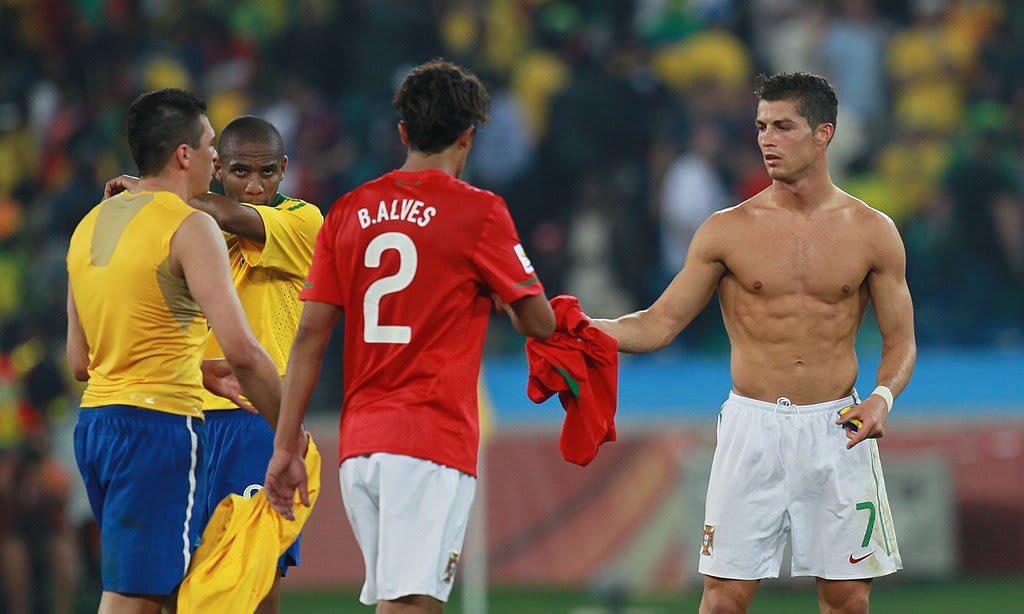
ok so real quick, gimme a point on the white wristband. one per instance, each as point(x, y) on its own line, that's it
point(886, 394)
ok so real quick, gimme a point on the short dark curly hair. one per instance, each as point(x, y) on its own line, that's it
point(158, 122)
point(437, 102)
point(815, 98)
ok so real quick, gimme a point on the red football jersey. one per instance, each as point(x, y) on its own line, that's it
point(412, 258)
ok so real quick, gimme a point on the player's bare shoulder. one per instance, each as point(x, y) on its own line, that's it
point(872, 223)
point(728, 229)
point(863, 214)
point(875, 231)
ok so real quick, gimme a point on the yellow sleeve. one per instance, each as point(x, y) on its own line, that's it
point(291, 230)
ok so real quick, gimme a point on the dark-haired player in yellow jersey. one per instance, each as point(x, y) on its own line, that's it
point(144, 268)
point(270, 239)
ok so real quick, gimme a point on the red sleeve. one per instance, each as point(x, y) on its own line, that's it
point(323, 284)
point(501, 260)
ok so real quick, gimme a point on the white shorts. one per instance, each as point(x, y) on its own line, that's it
point(409, 516)
point(783, 470)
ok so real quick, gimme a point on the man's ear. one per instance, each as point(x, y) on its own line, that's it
point(183, 156)
point(466, 138)
point(284, 165)
point(217, 169)
point(403, 133)
point(825, 133)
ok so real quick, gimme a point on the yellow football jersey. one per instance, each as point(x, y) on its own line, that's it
point(234, 567)
point(269, 277)
point(145, 332)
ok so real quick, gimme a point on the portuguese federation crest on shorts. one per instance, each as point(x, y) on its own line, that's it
point(449, 569)
point(707, 543)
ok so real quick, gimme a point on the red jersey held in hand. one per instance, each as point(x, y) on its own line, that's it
point(412, 258)
point(581, 363)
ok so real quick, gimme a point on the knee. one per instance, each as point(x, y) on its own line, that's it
point(851, 603)
point(721, 600)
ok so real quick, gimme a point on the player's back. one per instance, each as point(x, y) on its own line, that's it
point(416, 257)
point(143, 329)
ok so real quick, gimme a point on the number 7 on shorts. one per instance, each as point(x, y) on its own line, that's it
point(867, 505)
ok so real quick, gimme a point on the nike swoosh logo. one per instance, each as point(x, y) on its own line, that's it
point(854, 561)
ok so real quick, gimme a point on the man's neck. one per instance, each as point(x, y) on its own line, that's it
point(806, 194)
point(445, 161)
point(164, 183)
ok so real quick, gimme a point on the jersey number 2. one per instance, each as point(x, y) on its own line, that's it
point(373, 330)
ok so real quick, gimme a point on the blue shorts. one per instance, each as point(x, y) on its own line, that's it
point(241, 445)
point(145, 474)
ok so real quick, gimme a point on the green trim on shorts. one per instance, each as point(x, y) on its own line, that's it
point(878, 499)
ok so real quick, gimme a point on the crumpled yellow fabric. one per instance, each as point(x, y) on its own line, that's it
point(234, 568)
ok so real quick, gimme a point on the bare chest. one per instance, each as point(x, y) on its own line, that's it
point(816, 261)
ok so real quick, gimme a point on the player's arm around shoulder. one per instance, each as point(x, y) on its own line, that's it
point(231, 216)
point(689, 292)
point(198, 252)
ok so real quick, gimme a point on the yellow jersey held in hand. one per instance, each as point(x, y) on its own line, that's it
point(145, 332)
point(234, 568)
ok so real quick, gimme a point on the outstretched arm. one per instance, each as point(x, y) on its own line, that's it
point(286, 472)
point(894, 310)
point(655, 327)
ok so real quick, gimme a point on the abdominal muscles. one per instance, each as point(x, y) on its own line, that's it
point(793, 345)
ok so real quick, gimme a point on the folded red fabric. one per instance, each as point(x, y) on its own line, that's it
point(580, 363)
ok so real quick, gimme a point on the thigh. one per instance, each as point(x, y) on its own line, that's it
point(360, 488)
point(241, 445)
point(149, 484)
point(842, 524)
point(745, 521)
point(422, 510)
point(360, 494)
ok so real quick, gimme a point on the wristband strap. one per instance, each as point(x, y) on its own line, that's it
point(886, 394)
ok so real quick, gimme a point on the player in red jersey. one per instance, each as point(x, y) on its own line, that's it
point(412, 260)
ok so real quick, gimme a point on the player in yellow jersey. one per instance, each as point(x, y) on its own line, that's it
point(144, 267)
point(270, 239)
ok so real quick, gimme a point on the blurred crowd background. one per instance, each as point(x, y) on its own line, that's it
point(617, 127)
